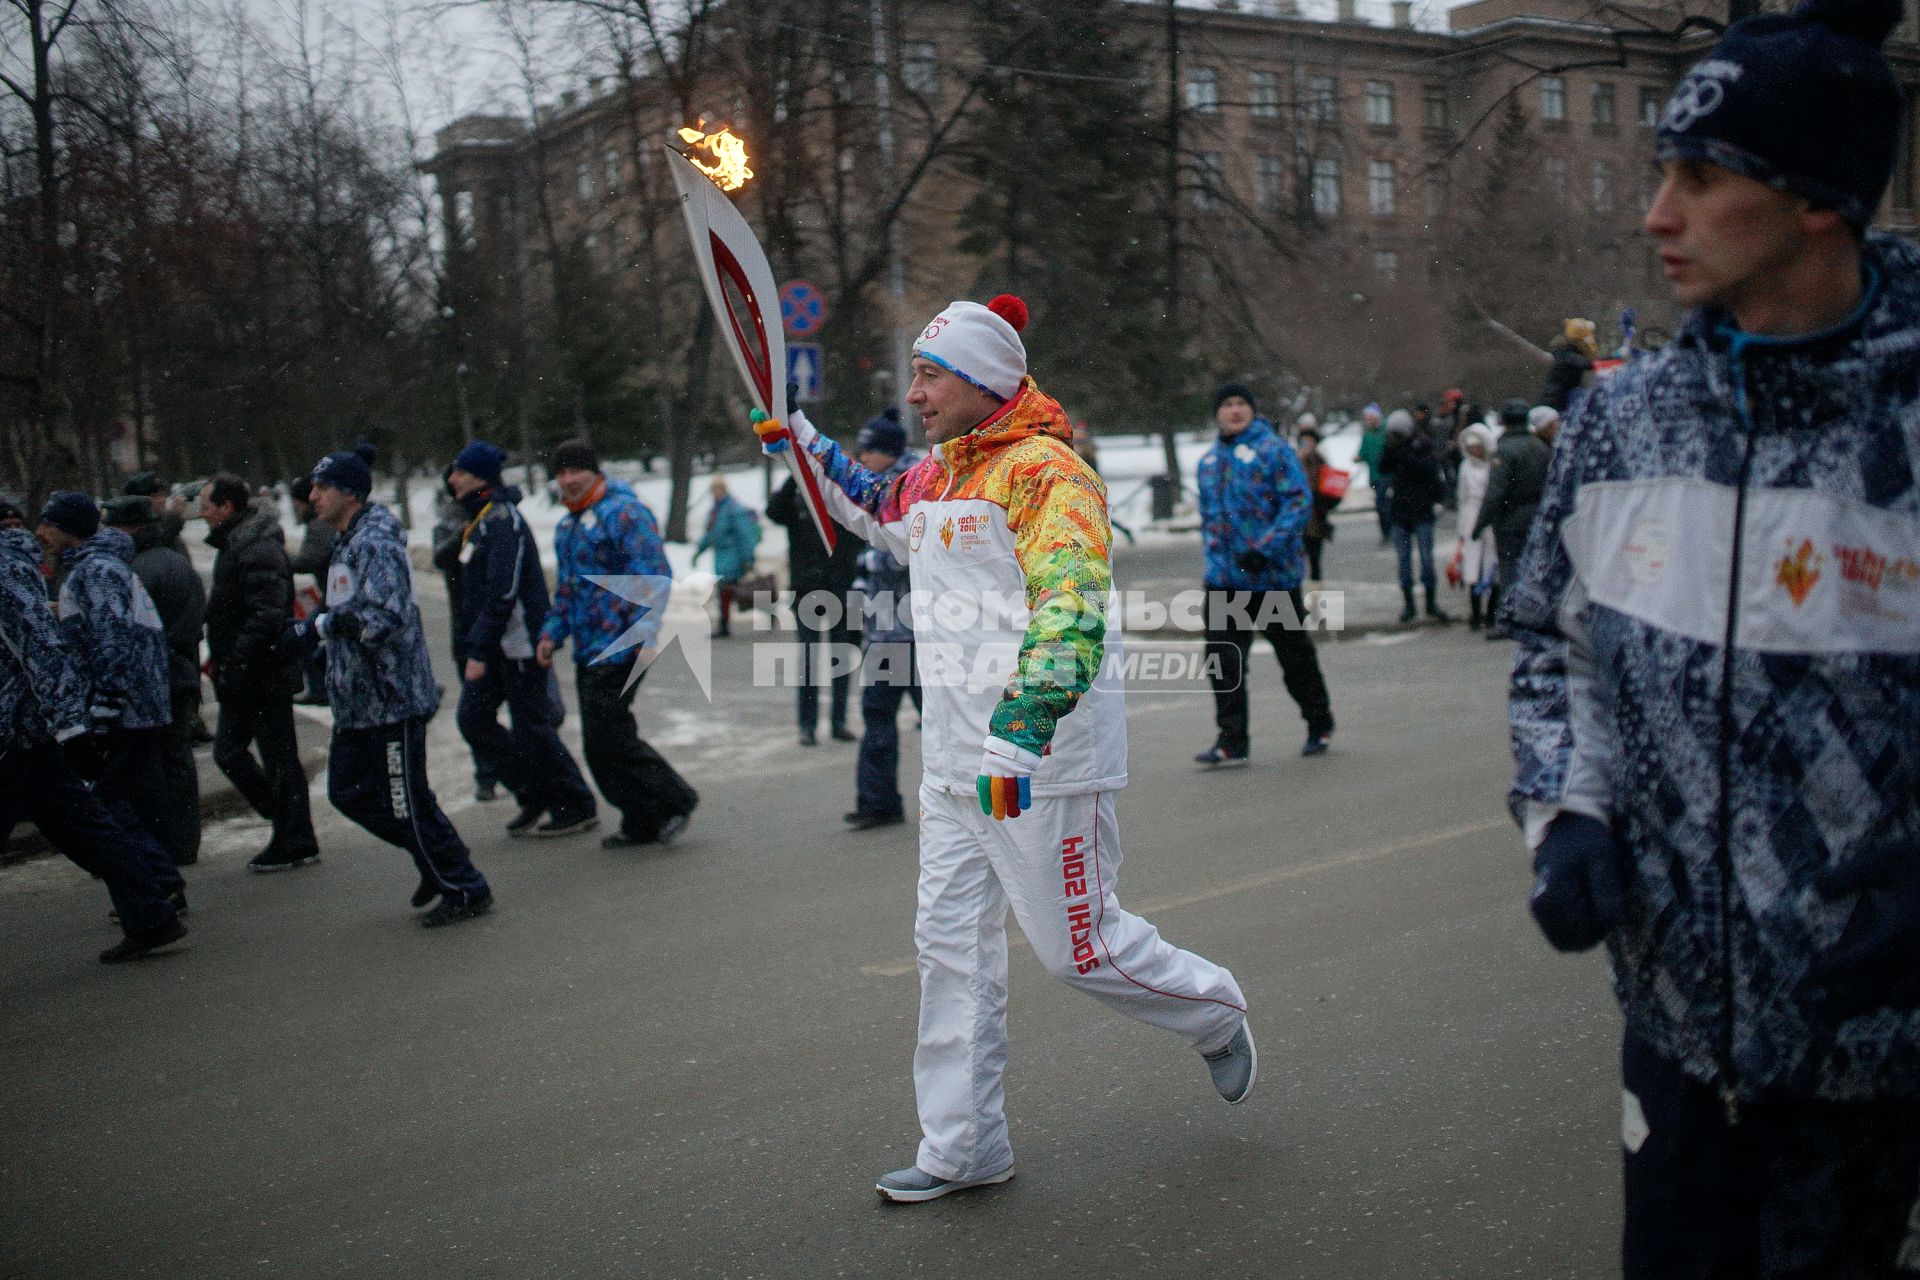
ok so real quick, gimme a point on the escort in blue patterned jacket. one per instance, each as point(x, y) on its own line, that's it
point(52, 744)
point(1715, 704)
point(1254, 508)
point(380, 686)
point(608, 533)
point(110, 621)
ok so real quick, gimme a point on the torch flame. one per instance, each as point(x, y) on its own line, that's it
point(729, 151)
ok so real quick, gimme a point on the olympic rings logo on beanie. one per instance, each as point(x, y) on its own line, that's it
point(980, 344)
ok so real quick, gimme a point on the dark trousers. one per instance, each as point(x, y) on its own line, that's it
point(35, 784)
point(133, 791)
point(886, 677)
point(633, 777)
point(1229, 637)
point(1796, 1190)
point(529, 761)
point(275, 784)
point(815, 646)
point(1315, 547)
point(1382, 503)
point(179, 825)
point(1405, 539)
point(314, 670)
point(378, 778)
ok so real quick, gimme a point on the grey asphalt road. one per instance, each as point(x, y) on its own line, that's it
point(693, 1063)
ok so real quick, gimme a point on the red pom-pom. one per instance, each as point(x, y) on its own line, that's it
point(1010, 309)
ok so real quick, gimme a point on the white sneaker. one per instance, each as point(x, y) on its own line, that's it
point(912, 1185)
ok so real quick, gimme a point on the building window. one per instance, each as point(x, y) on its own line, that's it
point(583, 182)
point(1650, 104)
point(1556, 181)
point(920, 67)
point(1433, 106)
point(1264, 95)
point(1436, 191)
point(463, 229)
point(1206, 190)
point(1553, 98)
point(1326, 188)
point(1203, 89)
point(1603, 104)
point(1379, 102)
point(1602, 187)
point(1380, 188)
point(1272, 175)
point(1386, 265)
point(610, 172)
point(1321, 105)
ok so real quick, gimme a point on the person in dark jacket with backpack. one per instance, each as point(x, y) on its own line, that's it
point(1518, 478)
point(1412, 461)
point(502, 604)
point(811, 569)
point(251, 606)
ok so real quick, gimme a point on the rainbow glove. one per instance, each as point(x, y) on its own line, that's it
point(774, 438)
point(1006, 779)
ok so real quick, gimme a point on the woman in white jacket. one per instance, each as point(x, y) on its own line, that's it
point(1477, 555)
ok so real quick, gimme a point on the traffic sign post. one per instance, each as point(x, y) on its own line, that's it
point(803, 308)
point(807, 371)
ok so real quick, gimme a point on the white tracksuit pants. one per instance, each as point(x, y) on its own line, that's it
point(1056, 865)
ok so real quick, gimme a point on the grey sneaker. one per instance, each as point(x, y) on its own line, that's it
point(1235, 1067)
point(912, 1185)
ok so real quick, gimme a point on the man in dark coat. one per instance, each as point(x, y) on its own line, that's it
point(169, 577)
point(1412, 460)
point(1519, 477)
point(810, 568)
point(251, 605)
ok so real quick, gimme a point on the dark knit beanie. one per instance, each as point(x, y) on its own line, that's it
point(1227, 390)
point(71, 511)
point(129, 512)
point(575, 455)
point(481, 460)
point(301, 490)
point(143, 484)
point(884, 434)
point(346, 471)
point(1804, 102)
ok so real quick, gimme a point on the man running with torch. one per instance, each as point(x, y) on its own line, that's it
point(1017, 801)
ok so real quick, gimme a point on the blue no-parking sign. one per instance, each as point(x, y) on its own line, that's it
point(807, 369)
point(803, 308)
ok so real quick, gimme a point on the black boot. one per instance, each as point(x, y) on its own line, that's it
point(1494, 630)
point(1434, 610)
point(1406, 609)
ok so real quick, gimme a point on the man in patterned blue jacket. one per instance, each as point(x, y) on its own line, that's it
point(112, 627)
point(1716, 699)
point(609, 532)
point(1254, 504)
point(380, 686)
point(502, 604)
point(48, 754)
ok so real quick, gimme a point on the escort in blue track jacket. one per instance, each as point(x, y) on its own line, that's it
point(1760, 763)
point(110, 622)
point(503, 589)
point(611, 533)
point(43, 697)
point(381, 675)
point(1254, 498)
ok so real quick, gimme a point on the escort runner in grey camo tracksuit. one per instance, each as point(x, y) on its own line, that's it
point(380, 686)
point(44, 707)
point(1762, 767)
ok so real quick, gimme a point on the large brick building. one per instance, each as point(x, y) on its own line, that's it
point(1337, 177)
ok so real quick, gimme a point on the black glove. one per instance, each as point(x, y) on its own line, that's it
point(86, 755)
point(1251, 561)
point(1578, 892)
point(1876, 962)
point(344, 626)
point(299, 640)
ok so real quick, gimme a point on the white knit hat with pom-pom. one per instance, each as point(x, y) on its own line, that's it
point(980, 344)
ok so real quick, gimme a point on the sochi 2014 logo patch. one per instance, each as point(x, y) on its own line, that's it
point(946, 533)
point(1700, 94)
point(1798, 571)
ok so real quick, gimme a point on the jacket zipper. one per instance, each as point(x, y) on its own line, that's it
point(1723, 852)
